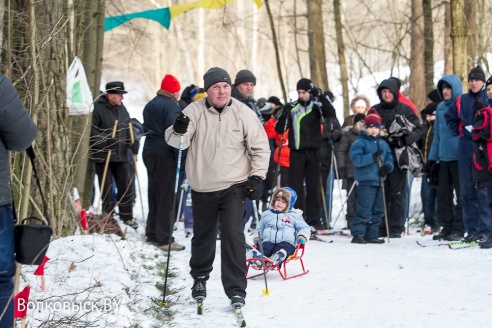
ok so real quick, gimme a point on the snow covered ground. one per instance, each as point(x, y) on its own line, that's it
point(399, 284)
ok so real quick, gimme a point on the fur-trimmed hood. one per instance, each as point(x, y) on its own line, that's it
point(288, 194)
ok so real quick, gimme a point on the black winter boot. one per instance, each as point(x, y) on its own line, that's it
point(199, 289)
point(358, 240)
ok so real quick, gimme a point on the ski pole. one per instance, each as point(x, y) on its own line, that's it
point(346, 200)
point(265, 291)
point(324, 203)
point(176, 183)
point(381, 181)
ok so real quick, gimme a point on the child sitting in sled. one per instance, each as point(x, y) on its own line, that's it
point(281, 228)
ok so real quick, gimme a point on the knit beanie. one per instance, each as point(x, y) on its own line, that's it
point(170, 84)
point(430, 109)
point(304, 84)
point(359, 118)
point(476, 73)
point(433, 95)
point(274, 100)
point(488, 82)
point(244, 76)
point(372, 119)
point(214, 75)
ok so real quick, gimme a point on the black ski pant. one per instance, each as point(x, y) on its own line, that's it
point(304, 165)
point(395, 191)
point(226, 206)
point(161, 173)
point(121, 171)
point(450, 215)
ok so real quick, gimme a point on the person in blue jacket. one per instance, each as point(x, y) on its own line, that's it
point(459, 118)
point(444, 149)
point(372, 161)
point(282, 227)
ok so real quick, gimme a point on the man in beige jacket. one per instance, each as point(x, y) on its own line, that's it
point(227, 160)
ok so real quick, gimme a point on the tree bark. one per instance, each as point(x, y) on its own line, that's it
point(316, 37)
point(428, 45)
point(471, 20)
point(459, 36)
point(417, 70)
point(341, 56)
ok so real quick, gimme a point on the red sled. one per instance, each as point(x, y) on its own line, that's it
point(282, 268)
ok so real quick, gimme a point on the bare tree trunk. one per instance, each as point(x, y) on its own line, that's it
point(417, 70)
point(275, 45)
point(448, 54)
point(428, 45)
point(341, 56)
point(459, 35)
point(316, 37)
point(470, 14)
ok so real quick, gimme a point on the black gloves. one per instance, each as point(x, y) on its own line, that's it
point(181, 124)
point(111, 143)
point(428, 167)
point(384, 170)
point(254, 187)
point(397, 142)
point(378, 155)
point(134, 147)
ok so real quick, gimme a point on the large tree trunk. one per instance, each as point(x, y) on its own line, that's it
point(428, 45)
point(341, 56)
point(417, 70)
point(316, 37)
point(275, 46)
point(448, 43)
point(459, 35)
point(470, 16)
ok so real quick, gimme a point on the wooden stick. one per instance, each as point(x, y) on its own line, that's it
point(132, 139)
point(106, 165)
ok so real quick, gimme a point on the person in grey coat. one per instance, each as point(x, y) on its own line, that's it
point(17, 132)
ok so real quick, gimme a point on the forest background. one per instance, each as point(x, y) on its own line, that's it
point(335, 43)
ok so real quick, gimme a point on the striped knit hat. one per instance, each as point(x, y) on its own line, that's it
point(372, 119)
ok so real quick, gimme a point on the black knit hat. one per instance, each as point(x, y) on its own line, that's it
point(359, 118)
point(244, 76)
point(304, 84)
point(488, 82)
point(214, 75)
point(430, 109)
point(274, 100)
point(433, 95)
point(476, 73)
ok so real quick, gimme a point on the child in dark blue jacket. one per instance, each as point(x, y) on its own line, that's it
point(372, 161)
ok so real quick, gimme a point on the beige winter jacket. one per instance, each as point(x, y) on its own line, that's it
point(224, 149)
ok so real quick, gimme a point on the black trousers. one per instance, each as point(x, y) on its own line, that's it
point(450, 215)
point(161, 173)
point(122, 173)
point(304, 165)
point(395, 192)
point(226, 206)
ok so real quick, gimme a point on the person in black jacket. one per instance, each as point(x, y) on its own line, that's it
point(390, 109)
point(108, 110)
point(161, 160)
point(17, 132)
point(303, 118)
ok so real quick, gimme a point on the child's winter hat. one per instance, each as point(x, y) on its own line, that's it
point(170, 84)
point(359, 118)
point(488, 82)
point(430, 109)
point(476, 73)
point(372, 119)
point(283, 194)
point(433, 95)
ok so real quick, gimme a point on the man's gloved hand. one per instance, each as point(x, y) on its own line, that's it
point(384, 170)
point(181, 124)
point(111, 143)
point(397, 142)
point(315, 92)
point(428, 167)
point(134, 147)
point(254, 187)
point(301, 239)
point(378, 155)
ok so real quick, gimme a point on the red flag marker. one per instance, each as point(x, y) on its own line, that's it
point(20, 303)
point(83, 220)
point(40, 272)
